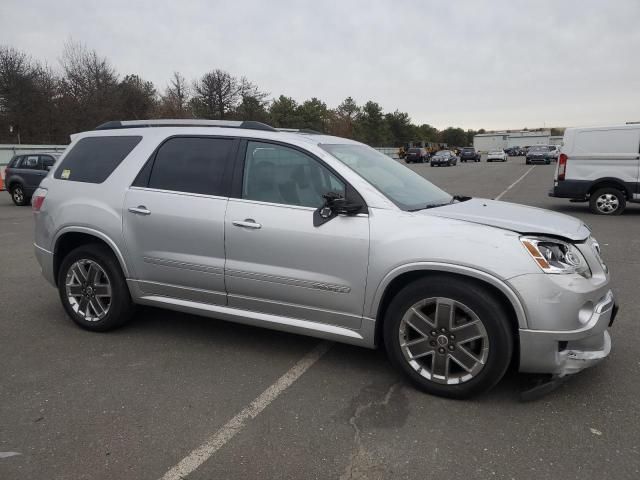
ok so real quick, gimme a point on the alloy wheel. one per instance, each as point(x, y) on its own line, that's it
point(443, 340)
point(607, 203)
point(88, 290)
point(18, 195)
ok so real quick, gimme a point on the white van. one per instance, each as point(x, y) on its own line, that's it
point(600, 165)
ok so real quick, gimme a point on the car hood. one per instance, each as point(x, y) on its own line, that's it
point(511, 216)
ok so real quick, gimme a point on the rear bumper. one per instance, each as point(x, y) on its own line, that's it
point(567, 352)
point(570, 189)
point(45, 259)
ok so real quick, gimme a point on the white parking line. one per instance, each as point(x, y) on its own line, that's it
point(201, 454)
point(514, 183)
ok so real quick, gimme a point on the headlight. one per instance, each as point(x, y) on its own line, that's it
point(556, 256)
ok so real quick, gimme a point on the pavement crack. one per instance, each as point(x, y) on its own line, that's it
point(360, 461)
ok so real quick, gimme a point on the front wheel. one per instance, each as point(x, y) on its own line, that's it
point(93, 289)
point(450, 337)
point(607, 201)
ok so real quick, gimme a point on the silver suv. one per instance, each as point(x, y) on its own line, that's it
point(323, 236)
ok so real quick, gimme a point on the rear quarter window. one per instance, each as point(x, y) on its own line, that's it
point(93, 159)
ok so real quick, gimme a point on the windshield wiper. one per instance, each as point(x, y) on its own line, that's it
point(454, 198)
point(427, 206)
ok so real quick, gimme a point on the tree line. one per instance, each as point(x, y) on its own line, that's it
point(43, 105)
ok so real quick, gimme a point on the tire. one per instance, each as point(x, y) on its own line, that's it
point(18, 196)
point(527, 162)
point(607, 201)
point(106, 291)
point(494, 344)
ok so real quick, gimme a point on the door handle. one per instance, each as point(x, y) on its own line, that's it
point(140, 210)
point(247, 223)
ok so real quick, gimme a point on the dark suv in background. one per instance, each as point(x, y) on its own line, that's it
point(416, 155)
point(25, 172)
point(539, 154)
point(469, 153)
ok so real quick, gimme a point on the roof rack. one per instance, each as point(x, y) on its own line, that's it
point(250, 125)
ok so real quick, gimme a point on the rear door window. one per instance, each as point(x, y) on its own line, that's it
point(30, 162)
point(192, 165)
point(93, 159)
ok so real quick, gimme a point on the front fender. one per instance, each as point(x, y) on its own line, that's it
point(486, 277)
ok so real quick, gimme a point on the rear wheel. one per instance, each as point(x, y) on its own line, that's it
point(18, 196)
point(93, 289)
point(451, 338)
point(607, 201)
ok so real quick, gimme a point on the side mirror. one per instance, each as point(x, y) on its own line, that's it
point(334, 204)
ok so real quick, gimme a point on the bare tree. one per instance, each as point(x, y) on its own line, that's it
point(218, 93)
point(89, 86)
point(175, 101)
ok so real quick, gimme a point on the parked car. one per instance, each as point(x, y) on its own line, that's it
point(25, 172)
point(319, 235)
point(497, 156)
point(515, 151)
point(539, 154)
point(416, 155)
point(555, 152)
point(600, 165)
point(469, 153)
point(444, 158)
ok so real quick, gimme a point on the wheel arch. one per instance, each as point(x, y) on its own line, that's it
point(397, 279)
point(609, 182)
point(72, 237)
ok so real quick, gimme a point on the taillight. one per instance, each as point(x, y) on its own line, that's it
point(38, 199)
point(562, 166)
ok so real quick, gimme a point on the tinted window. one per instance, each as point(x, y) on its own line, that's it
point(46, 161)
point(93, 159)
point(277, 174)
point(15, 162)
point(193, 165)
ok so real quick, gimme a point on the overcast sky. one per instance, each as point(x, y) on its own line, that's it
point(492, 64)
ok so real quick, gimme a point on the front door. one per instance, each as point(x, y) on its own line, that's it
point(174, 220)
point(277, 262)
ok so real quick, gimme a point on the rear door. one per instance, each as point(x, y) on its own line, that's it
point(31, 172)
point(174, 219)
point(277, 261)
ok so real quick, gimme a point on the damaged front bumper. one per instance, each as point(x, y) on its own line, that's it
point(565, 352)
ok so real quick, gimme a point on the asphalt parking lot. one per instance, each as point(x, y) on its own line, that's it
point(133, 403)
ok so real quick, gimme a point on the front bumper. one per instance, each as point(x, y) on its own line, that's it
point(538, 160)
point(564, 352)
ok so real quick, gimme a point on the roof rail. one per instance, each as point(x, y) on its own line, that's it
point(300, 130)
point(247, 124)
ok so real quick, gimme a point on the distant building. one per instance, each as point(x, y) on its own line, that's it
point(485, 142)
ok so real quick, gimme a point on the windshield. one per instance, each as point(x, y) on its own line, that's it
point(467, 149)
point(443, 152)
point(538, 149)
point(404, 187)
